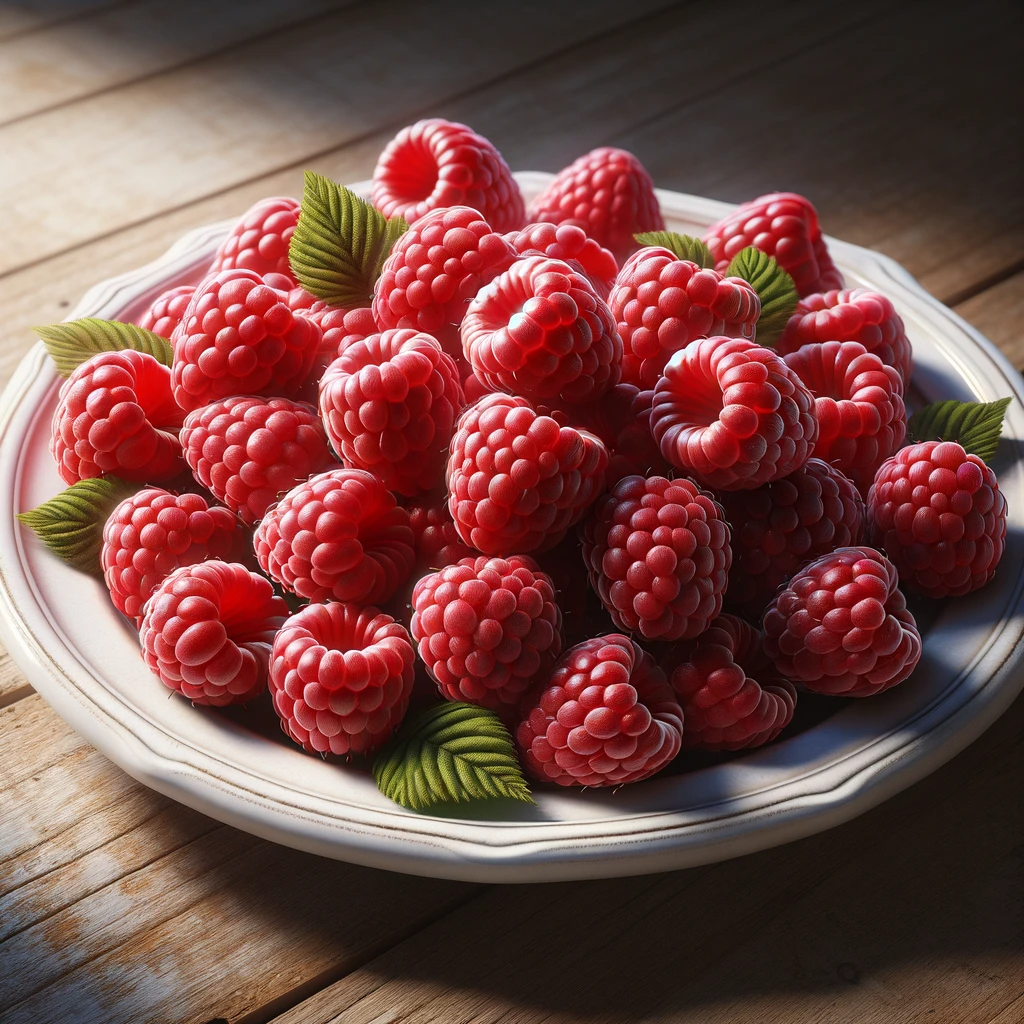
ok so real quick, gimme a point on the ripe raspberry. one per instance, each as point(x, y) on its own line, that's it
point(437, 542)
point(208, 631)
point(731, 697)
point(250, 450)
point(661, 303)
point(841, 627)
point(259, 241)
point(517, 481)
point(338, 535)
point(339, 327)
point(341, 677)
point(608, 194)
point(116, 414)
point(659, 555)
point(606, 716)
point(570, 244)
point(779, 526)
point(167, 310)
point(732, 414)
point(389, 404)
point(436, 164)
point(940, 516)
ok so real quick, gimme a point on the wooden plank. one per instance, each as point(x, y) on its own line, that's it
point(13, 685)
point(998, 313)
point(28, 16)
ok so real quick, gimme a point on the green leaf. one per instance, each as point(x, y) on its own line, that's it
point(974, 425)
point(684, 246)
point(340, 243)
point(71, 524)
point(773, 285)
point(449, 754)
point(71, 343)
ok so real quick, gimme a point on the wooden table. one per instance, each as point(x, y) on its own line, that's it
point(125, 122)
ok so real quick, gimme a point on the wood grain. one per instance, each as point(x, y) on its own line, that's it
point(998, 312)
point(13, 685)
point(28, 16)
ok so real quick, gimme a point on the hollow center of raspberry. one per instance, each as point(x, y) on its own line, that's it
point(414, 176)
point(703, 401)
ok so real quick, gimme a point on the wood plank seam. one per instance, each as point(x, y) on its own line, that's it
point(975, 289)
point(64, 20)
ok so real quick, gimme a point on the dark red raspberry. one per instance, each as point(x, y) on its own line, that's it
point(568, 243)
point(731, 696)
point(338, 535)
point(340, 327)
point(167, 310)
point(389, 403)
point(116, 414)
point(940, 516)
point(437, 542)
point(732, 414)
point(259, 241)
point(608, 193)
point(779, 526)
point(659, 556)
point(661, 303)
point(248, 451)
point(341, 676)
point(517, 480)
point(841, 627)
point(606, 716)
point(783, 225)
point(208, 631)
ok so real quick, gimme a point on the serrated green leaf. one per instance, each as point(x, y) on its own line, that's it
point(686, 247)
point(70, 344)
point(774, 287)
point(340, 243)
point(976, 426)
point(451, 753)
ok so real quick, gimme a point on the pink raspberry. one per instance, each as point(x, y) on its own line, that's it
point(659, 555)
point(338, 535)
point(841, 627)
point(389, 403)
point(940, 516)
point(249, 450)
point(606, 716)
point(341, 677)
point(517, 480)
point(259, 241)
point(208, 631)
point(339, 327)
point(731, 697)
point(608, 193)
point(570, 244)
point(167, 309)
point(783, 225)
point(437, 541)
point(732, 414)
point(116, 414)
point(661, 303)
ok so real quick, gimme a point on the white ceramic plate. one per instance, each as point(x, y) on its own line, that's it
point(76, 651)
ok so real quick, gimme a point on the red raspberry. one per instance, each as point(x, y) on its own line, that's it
point(389, 404)
point(940, 516)
point(732, 414)
point(783, 225)
point(437, 164)
point(517, 481)
point(208, 631)
point(116, 414)
point(339, 327)
point(437, 541)
point(541, 331)
point(661, 303)
point(608, 194)
point(728, 690)
point(659, 556)
point(248, 450)
point(167, 309)
point(841, 627)
point(779, 526)
point(259, 241)
point(338, 535)
point(341, 677)
point(570, 244)
point(606, 716)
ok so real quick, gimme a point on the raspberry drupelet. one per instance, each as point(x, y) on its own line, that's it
point(340, 327)
point(164, 315)
point(571, 244)
point(259, 241)
point(437, 541)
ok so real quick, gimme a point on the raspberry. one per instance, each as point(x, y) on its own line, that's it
point(436, 164)
point(661, 303)
point(208, 631)
point(341, 677)
point(841, 627)
point(339, 327)
point(167, 309)
point(541, 331)
point(732, 414)
point(487, 628)
point(259, 241)
point(779, 526)
point(940, 516)
point(437, 542)
point(389, 404)
point(608, 194)
point(116, 414)
point(250, 450)
point(658, 553)
point(517, 480)
point(570, 244)
point(606, 716)
point(338, 535)
point(728, 690)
